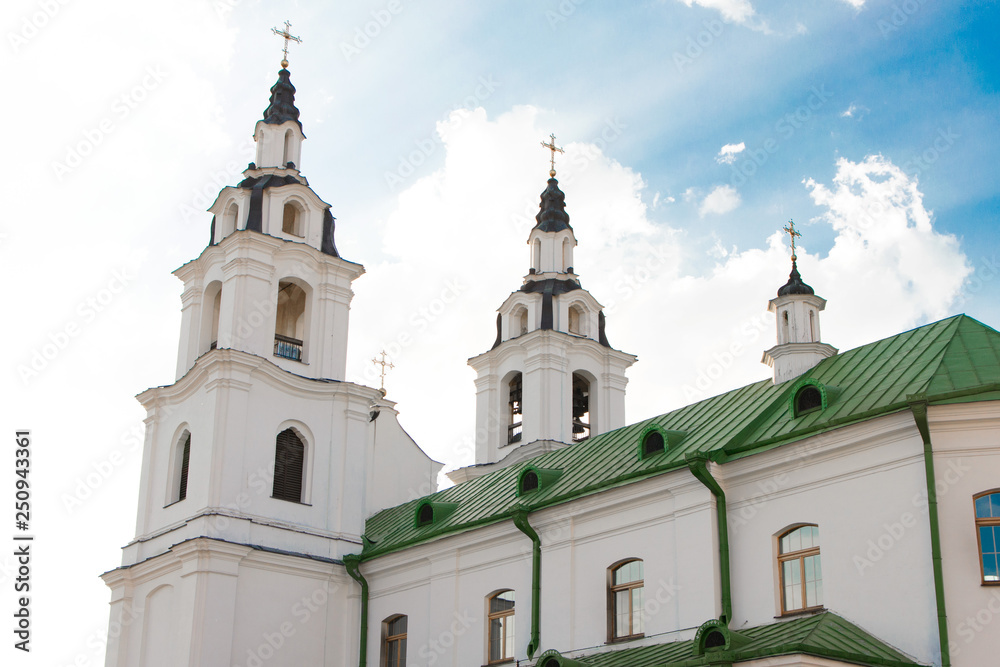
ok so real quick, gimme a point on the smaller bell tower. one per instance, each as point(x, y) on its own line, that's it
point(551, 378)
point(796, 309)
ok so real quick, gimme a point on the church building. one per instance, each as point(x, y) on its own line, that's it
point(844, 511)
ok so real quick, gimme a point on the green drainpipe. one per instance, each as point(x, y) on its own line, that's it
point(520, 518)
point(353, 562)
point(919, 409)
point(698, 464)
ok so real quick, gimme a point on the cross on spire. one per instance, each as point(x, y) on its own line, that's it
point(288, 36)
point(552, 147)
point(790, 229)
point(384, 364)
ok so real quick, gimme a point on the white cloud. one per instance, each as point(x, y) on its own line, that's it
point(737, 11)
point(897, 268)
point(727, 154)
point(723, 199)
point(857, 4)
point(854, 111)
point(887, 271)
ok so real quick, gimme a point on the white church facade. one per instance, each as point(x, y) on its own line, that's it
point(845, 511)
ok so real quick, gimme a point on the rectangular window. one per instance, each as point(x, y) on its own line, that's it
point(988, 529)
point(501, 627)
point(394, 642)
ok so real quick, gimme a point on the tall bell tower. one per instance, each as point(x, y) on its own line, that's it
point(260, 462)
point(551, 378)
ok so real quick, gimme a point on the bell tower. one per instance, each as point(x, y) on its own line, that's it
point(260, 462)
point(551, 378)
point(796, 309)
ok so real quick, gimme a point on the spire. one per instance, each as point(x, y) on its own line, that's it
point(794, 284)
point(552, 215)
point(282, 107)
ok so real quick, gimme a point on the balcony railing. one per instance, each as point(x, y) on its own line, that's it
point(514, 433)
point(288, 348)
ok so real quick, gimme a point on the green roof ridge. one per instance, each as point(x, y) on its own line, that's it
point(824, 635)
point(944, 360)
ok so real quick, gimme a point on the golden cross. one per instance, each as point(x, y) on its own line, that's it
point(384, 364)
point(288, 36)
point(552, 147)
point(790, 228)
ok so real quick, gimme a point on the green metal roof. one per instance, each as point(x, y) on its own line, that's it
point(953, 359)
point(824, 635)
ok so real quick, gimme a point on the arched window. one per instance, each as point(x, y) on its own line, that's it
point(514, 415)
point(500, 615)
point(291, 219)
point(988, 527)
point(286, 153)
point(211, 310)
point(567, 257)
point(182, 462)
point(799, 565)
point(625, 600)
point(653, 443)
point(216, 312)
point(289, 464)
point(290, 322)
point(808, 399)
point(784, 326)
point(812, 327)
point(229, 219)
point(518, 322)
point(577, 320)
point(581, 408)
point(394, 641)
point(425, 515)
point(536, 255)
point(529, 482)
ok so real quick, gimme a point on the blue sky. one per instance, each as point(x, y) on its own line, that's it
point(694, 129)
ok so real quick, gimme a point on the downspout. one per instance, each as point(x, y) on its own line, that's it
point(698, 464)
point(520, 518)
point(919, 409)
point(353, 563)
